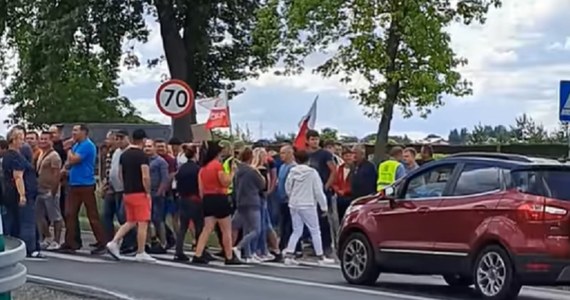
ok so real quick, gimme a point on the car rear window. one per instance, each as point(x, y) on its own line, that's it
point(547, 183)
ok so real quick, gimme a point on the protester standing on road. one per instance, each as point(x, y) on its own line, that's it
point(249, 184)
point(410, 159)
point(364, 174)
point(322, 161)
point(343, 181)
point(189, 201)
point(285, 223)
point(48, 167)
point(159, 183)
point(392, 169)
point(81, 161)
point(213, 182)
point(305, 190)
point(32, 139)
point(135, 175)
point(113, 206)
point(20, 195)
point(171, 208)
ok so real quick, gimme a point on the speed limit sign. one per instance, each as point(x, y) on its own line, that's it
point(174, 98)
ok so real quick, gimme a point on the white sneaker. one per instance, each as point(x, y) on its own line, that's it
point(258, 258)
point(252, 260)
point(114, 250)
point(267, 257)
point(326, 261)
point(53, 246)
point(45, 244)
point(144, 257)
point(290, 261)
point(237, 252)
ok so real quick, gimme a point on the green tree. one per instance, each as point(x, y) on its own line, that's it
point(209, 45)
point(284, 137)
point(67, 57)
point(401, 48)
point(329, 134)
point(348, 139)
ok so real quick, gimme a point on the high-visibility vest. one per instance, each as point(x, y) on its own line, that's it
point(227, 165)
point(386, 173)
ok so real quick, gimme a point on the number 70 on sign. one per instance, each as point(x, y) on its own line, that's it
point(174, 98)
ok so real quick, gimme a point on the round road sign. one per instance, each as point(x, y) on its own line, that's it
point(174, 98)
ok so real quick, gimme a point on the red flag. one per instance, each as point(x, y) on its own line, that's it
point(219, 118)
point(307, 123)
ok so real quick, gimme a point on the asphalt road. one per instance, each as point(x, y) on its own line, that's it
point(167, 280)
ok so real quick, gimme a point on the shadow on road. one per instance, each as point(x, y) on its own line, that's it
point(435, 291)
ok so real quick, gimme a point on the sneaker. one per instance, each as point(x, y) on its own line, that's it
point(278, 257)
point(129, 251)
point(237, 252)
point(208, 256)
point(233, 261)
point(326, 261)
point(144, 257)
point(181, 257)
point(252, 260)
point(36, 255)
point(267, 257)
point(99, 250)
point(53, 246)
point(298, 255)
point(199, 260)
point(113, 250)
point(290, 261)
point(157, 249)
point(45, 244)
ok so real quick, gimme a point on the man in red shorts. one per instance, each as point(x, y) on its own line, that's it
point(135, 174)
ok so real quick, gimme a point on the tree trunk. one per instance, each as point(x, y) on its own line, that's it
point(176, 58)
point(392, 91)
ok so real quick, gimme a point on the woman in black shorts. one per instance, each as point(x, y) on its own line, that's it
point(213, 183)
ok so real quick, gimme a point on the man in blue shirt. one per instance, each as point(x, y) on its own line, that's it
point(286, 155)
point(80, 164)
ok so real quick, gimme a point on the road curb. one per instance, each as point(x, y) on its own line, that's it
point(77, 289)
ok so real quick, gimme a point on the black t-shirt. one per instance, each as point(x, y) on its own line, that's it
point(319, 160)
point(187, 179)
point(58, 147)
point(131, 161)
point(264, 171)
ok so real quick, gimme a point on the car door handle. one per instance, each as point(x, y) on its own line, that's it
point(423, 209)
point(479, 207)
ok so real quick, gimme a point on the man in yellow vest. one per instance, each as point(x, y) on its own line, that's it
point(392, 169)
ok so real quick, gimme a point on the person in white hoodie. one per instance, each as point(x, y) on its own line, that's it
point(304, 189)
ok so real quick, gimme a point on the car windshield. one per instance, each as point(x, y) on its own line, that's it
point(547, 183)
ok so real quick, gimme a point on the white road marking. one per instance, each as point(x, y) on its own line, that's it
point(73, 257)
point(297, 282)
point(91, 288)
point(316, 264)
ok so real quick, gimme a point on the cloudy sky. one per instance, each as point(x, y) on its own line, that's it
point(516, 61)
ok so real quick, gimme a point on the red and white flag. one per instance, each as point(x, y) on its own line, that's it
point(219, 112)
point(307, 123)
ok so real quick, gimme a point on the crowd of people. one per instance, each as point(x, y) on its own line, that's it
point(259, 203)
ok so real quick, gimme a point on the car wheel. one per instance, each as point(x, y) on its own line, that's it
point(494, 275)
point(357, 260)
point(458, 280)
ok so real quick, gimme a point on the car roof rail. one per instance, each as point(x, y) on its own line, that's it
point(493, 155)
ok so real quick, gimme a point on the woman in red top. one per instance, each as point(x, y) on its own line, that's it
point(213, 183)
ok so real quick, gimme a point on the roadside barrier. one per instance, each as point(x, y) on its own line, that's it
point(12, 271)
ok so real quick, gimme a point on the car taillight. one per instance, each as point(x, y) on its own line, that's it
point(537, 212)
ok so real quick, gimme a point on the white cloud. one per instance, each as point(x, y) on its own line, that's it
point(556, 46)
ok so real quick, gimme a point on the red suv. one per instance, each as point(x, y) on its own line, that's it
point(490, 220)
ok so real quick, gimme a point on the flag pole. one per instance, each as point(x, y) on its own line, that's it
point(227, 100)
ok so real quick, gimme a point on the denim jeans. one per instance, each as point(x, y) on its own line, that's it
point(259, 245)
point(20, 222)
point(249, 220)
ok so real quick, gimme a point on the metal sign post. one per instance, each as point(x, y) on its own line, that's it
point(564, 109)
